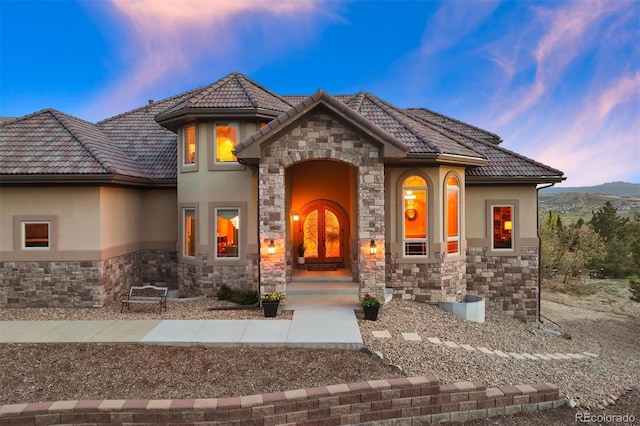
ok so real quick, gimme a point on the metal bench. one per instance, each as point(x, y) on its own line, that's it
point(146, 294)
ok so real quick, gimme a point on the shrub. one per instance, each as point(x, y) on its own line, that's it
point(634, 286)
point(241, 297)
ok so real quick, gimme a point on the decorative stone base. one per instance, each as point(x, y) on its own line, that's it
point(200, 279)
point(507, 283)
point(82, 283)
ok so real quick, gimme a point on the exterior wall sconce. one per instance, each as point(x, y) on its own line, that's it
point(272, 247)
point(296, 216)
point(373, 249)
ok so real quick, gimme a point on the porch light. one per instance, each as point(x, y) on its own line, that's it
point(272, 247)
point(508, 225)
point(373, 249)
point(296, 216)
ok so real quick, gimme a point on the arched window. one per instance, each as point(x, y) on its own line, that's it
point(453, 215)
point(415, 236)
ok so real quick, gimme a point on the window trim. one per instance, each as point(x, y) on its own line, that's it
point(402, 258)
point(445, 221)
point(19, 223)
point(182, 166)
point(242, 233)
point(212, 148)
point(515, 233)
point(182, 207)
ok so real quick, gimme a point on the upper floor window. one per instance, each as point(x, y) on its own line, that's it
point(189, 145)
point(453, 215)
point(415, 236)
point(502, 235)
point(36, 235)
point(227, 223)
point(226, 139)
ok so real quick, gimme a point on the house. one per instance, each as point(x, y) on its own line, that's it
point(219, 185)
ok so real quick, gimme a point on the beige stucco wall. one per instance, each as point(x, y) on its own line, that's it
point(120, 217)
point(232, 184)
point(77, 211)
point(526, 210)
point(160, 220)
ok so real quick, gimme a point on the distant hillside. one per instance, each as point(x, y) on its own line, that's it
point(575, 205)
point(613, 188)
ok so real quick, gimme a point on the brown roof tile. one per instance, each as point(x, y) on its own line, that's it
point(50, 142)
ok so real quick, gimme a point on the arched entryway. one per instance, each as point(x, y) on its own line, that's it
point(323, 230)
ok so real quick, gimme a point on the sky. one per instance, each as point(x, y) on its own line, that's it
point(558, 81)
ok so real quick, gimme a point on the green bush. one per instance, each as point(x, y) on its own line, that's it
point(241, 297)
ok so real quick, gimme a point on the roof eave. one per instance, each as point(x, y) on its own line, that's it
point(174, 120)
point(84, 179)
point(501, 180)
point(450, 159)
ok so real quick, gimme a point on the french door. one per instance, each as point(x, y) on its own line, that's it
point(322, 231)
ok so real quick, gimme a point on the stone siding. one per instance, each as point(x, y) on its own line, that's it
point(202, 279)
point(320, 136)
point(440, 281)
point(411, 400)
point(84, 284)
point(508, 283)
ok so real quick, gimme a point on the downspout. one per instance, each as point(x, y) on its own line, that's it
point(257, 169)
point(539, 249)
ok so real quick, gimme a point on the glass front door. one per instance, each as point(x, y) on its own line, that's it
point(322, 233)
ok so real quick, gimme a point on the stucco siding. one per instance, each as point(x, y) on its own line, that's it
point(77, 211)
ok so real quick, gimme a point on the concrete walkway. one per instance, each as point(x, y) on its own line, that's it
point(311, 327)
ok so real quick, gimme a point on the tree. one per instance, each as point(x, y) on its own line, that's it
point(622, 242)
point(568, 248)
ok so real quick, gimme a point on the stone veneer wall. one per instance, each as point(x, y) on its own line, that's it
point(508, 283)
point(89, 283)
point(201, 279)
point(411, 400)
point(442, 281)
point(319, 136)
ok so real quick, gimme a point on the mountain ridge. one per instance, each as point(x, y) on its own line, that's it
point(613, 188)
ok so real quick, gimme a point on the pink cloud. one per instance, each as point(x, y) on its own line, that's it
point(167, 39)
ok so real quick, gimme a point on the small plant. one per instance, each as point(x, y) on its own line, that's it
point(272, 297)
point(300, 248)
point(241, 297)
point(369, 300)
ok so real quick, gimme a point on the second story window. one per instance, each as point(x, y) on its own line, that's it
point(189, 145)
point(226, 139)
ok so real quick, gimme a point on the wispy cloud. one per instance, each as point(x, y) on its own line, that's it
point(568, 32)
point(167, 39)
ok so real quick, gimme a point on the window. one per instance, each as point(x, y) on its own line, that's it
point(36, 235)
point(226, 136)
point(453, 215)
point(414, 224)
point(227, 230)
point(502, 235)
point(189, 145)
point(189, 227)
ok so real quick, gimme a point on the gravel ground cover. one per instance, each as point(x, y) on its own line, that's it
point(31, 373)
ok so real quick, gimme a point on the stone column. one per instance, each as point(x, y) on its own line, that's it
point(272, 226)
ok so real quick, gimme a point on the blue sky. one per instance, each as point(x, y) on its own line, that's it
point(559, 81)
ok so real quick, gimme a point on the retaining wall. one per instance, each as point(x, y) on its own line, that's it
point(419, 399)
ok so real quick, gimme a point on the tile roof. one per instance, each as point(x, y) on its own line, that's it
point(502, 163)
point(50, 142)
point(234, 91)
point(134, 144)
point(150, 145)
